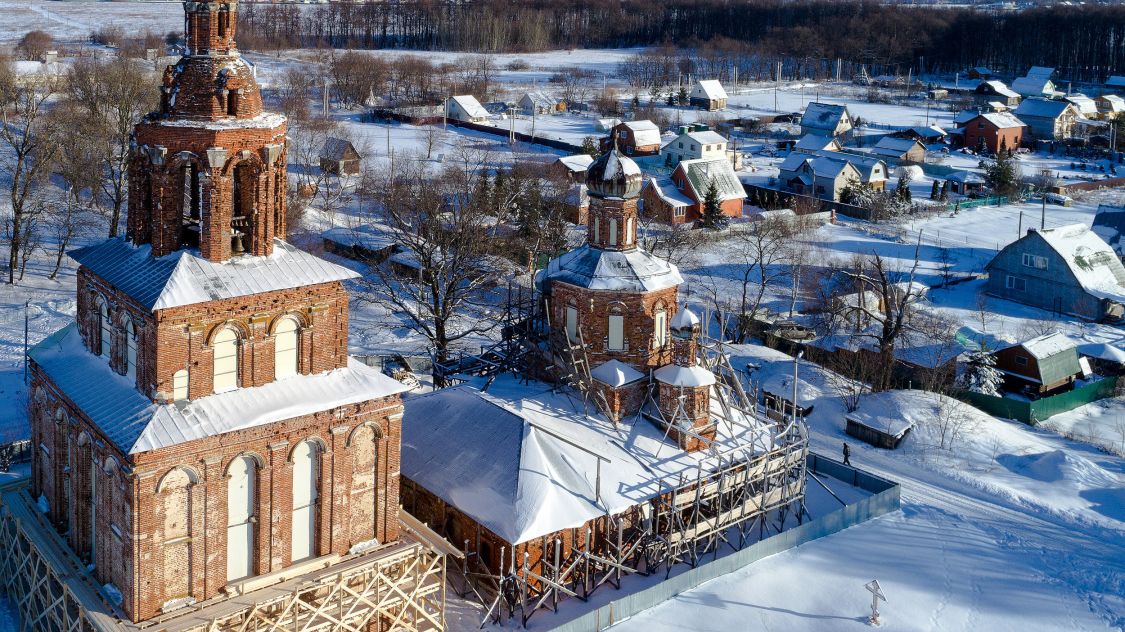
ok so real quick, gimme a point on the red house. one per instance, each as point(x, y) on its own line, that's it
point(993, 131)
point(692, 179)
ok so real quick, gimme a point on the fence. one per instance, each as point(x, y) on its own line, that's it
point(1033, 412)
point(885, 498)
point(785, 199)
point(1093, 186)
point(520, 136)
point(960, 205)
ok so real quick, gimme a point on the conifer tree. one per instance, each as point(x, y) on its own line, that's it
point(712, 211)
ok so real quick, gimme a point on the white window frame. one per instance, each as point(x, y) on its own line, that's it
point(286, 348)
point(660, 328)
point(615, 338)
point(1015, 283)
point(181, 384)
point(1034, 261)
point(613, 231)
point(306, 499)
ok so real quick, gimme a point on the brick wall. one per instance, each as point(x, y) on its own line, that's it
point(161, 515)
point(594, 308)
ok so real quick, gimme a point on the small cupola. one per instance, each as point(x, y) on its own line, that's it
point(613, 175)
point(614, 182)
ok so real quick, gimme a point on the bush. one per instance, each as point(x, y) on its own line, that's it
point(34, 44)
point(108, 36)
point(518, 64)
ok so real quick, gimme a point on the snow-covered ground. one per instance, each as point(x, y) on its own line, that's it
point(72, 22)
point(1100, 423)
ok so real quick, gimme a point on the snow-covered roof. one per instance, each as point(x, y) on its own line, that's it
point(894, 147)
point(1033, 86)
point(470, 106)
point(686, 318)
point(1085, 105)
point(1109, 224)
point(539, 99)
point(965, 177)
point(707, 137)
point(336, 148)
point(823, 116)
point(1103, 351)
point(577, 162)
point(996, 87)
point(135, 424)
point(684, 376)
point(701, 172)
point(1042, 108)
point(1002, 120)
point(632, 270)
point(817, 142)
point(498, 456)
point(1094, 264)
point(1113, 102)
point(865, 165)
point(266, 120)
point(1047, 345)
point(666, 190)
point(644, 132)
point(712, 89)
point(185, 278)
point(615, 373)
point(1040, 72)
point(890, 412)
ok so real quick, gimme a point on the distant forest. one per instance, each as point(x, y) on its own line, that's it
point(1085, 43)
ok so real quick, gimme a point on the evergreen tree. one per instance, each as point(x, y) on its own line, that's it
point(1002, 174)
point(671, 99)
point(590, 146)
point(935, 192)
point(981, 375)
point(683, 96)
point(712, 210)
point(944, 191)
point(902, 189)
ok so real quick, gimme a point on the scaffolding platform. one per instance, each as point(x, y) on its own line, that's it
point(398, 586)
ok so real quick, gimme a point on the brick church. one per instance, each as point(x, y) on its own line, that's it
point(200, 430)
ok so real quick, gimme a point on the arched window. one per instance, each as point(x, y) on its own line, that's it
point(628, 231)
point(241, 477)
point(306, 480)
point(180, 385)
point(225, 346)
point(571, 323)
point(659, 327)
point(616, 340)
point(130, 349)
point(613, 231)
point(285, 348)
point(105, 329)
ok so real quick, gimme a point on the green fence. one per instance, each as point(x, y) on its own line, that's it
point(1033, 412)
point(960, 205)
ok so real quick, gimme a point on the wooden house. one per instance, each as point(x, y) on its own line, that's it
point(1042, 366)
point(339, 156)
point(708, 94)
point(634, 138)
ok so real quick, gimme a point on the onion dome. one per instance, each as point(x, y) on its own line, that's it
point(685, 322)
point(614, 175)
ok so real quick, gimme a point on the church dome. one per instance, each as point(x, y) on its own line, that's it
point(614, 175)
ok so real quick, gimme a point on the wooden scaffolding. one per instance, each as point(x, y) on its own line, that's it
point(400, 586)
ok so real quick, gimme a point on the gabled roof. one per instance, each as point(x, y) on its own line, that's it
point(823, 116)
point(540, 99)
point(1109, 224)
point(1056, 355)
point(469, 104)
point(577, 162)
point(1001, 120)
point(996, 87)
point(1114, 102)
point(1042, 108)
point(1033, 86)
point(666, 190)
point(1084, 104)
point(706, 137)
point(645, 132)
point(817, 142)
point(336, 148)
point(185, 278)
point(712, 88)
point(1093, 263)
point(701, 172)
point(135, 424)
point(865, 165)
point(895, 147)
point(965, 177)
point(1043, 73)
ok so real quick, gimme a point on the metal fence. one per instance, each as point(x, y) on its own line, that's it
point(960, 205)
point(1033, 412)
point(885, 498)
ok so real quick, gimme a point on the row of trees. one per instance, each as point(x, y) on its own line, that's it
point(1084, 41)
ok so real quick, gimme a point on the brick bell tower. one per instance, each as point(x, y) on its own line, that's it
point(208, 169)
point(684, 387)
point(201, 430)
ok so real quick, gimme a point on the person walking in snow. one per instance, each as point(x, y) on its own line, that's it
point(847, 454)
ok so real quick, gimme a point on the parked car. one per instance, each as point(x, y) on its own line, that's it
point(791, 330)
point(1060, 199)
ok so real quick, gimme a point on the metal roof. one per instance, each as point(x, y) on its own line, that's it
point(623, 270)
point(1042, 108)
point(701, 172)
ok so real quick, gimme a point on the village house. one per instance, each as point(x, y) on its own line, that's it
point(573, 167)
point(926, 135)
point(1110, 106)
point(1043, 366)
point(708, 94)
point(339, 156)
point(873, 172)
point(979, 72)
point(813, 143)
point(818, 176)
point(466, 108)
point(201, 431)
point(1086, 106)
point(535, 103)
point(1109, 225)
point(824, 119)
point(634, 138)
point(692, 179)
point(1048, 119)
point(693, 143)
point(965, 182)
point(993, 131)
point(1115, 83)
point(900, 150)
point(988, 91)
point(1034, 87)
point(1066, 270)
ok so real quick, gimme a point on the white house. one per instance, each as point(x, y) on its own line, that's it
point(466, 108)
point(825, 119)
point(708, 94)
point(693, 144)
point(533, 103)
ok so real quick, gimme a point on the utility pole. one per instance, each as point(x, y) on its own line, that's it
point(1019, 228)
point(796, 362)
point(324, 104)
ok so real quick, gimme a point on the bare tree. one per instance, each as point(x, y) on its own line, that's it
point(758, 254)
point(114, 95)
point(951, 420)
point(34, 44)
point(28, 137)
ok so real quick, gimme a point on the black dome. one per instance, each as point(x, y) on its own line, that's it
point(614, 175)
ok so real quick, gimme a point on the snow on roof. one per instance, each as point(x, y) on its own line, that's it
point(896, 147)
point(1103, 351)
point(712, 88)
point(707, 137)
point(1115, 103)
point(966, 177)
point(823, 116)
point(499, 458)
point(135, 424)
point(540, 99)
point(1033, 86)
point(1109, 224)
point(1116, 81)
point(701, 172)
point(684, 319)
point(996, 87)
point(817, 142)
point(666, 190)
point(469, 104)
point(1085, 104)
point(1002, 120)
point(1040, 72)
point(644, 132)
point(619, 166)
point(1094, 264)
point(615, 373)
point(577, 162)
point(1042, 108)
point(632, 270)
point(1048, 345)
point(336, 148)
point(865, 165)
point(266, 120)
point(891, 412)
point(684, 376)
point(184, 278)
